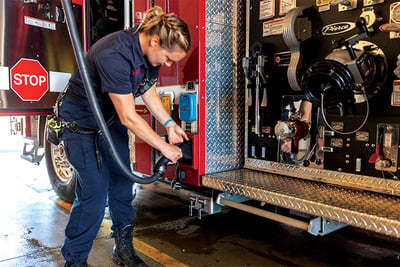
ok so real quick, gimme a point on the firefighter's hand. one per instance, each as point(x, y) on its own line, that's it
point(172, 152)
point(175, 133)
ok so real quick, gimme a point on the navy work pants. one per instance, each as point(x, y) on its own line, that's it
point(93, 186)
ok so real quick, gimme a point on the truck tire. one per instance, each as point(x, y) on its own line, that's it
point(61, 173)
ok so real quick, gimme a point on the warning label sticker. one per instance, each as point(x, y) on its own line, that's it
point(40, 23)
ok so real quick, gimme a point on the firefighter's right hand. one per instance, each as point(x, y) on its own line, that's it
point(172, 152)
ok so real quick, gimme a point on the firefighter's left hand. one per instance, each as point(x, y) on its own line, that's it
point(175, 133)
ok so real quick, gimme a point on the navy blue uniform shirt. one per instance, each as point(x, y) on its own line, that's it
point(115, 64)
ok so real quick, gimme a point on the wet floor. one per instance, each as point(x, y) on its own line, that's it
point(234, 238)
point(32, 222)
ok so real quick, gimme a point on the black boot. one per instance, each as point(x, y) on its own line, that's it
point(75, 264)
point(123, 251)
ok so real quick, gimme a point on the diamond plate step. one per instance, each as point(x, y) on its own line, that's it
point(368, 210)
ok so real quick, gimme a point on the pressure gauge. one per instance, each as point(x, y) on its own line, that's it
point(396, 14)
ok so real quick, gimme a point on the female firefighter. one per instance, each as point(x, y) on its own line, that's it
point(121, 66)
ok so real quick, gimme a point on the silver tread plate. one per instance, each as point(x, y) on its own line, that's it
point(368, 210)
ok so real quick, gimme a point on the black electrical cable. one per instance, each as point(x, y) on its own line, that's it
point(160, 167)
point(349, 132)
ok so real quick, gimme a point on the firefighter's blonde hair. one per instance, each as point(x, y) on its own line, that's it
point(170, 29)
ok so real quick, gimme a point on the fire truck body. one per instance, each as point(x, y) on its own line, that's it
point(291, 108)
point(33, 33)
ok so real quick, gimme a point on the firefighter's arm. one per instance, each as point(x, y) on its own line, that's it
point(125, 107)
point(152, 100)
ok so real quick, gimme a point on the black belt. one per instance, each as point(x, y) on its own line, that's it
point(76, 128)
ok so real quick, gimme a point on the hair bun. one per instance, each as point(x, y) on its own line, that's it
point(170, 29)
point(155, 12)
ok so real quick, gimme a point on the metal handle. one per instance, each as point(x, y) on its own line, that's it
point(142, 110)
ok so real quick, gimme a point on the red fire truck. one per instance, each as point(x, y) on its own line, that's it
point(291, 107)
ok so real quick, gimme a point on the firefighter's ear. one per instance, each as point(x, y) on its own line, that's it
point(154, 41)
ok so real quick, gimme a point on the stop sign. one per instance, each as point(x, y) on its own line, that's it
point(29, 79)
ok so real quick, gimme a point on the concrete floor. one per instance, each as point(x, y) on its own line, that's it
point(32, 225)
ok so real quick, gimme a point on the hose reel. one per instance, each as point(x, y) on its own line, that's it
point(342, 79)
point(352, 74)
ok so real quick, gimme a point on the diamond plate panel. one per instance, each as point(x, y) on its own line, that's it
point(224, 88)
point(356, 181)
point(371, 211)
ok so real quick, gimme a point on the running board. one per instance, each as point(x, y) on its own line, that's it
point(363, 209)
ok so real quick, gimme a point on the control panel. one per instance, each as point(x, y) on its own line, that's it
point(324, 96)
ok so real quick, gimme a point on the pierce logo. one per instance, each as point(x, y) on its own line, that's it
point(337, 28)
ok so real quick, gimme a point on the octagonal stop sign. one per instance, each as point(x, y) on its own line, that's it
point(29, 79)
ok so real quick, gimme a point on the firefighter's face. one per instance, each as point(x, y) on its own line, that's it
point(160, 56)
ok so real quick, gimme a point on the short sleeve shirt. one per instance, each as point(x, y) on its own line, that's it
point(115, 64)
